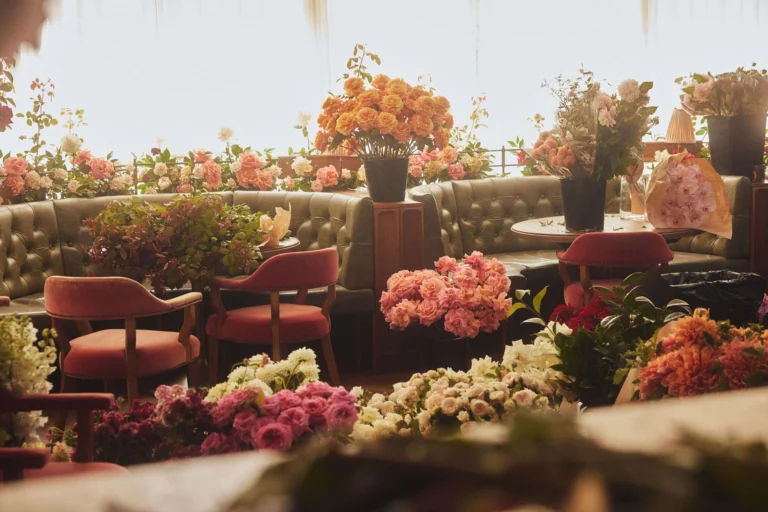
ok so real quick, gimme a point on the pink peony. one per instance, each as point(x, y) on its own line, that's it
point(445, 265)
point(217, 443)
point(429, 312)
point(101, 169)
point(275, 436)
point(287, 399)
point(15, 184)
point(296, 419)
point(315, 389)
point(315, 408)
point(341, 417)
point(456, 171)
point(15, 166)
point(328, 176)
point(83, 157)
point(250, 160)
point(212, 174)
point(462, 323)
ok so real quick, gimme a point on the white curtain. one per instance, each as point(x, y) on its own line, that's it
point(181, 69)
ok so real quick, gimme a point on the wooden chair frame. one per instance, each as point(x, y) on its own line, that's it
point(277, 345)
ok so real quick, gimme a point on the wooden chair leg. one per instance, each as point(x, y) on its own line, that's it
point(132, 383)
point(193, 373)
point(68, 385)
point(213, 360)
point(330, 361)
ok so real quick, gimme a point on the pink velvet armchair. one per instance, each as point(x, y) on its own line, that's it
point(609, 250)
point(278, 324)
point(118, 353)
point(27, 463)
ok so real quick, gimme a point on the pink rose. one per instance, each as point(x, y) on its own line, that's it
point(264, 180)
point(456, 171)
point(445, 265)
point(466, 277)
point(15, 166)
point(15, 184)
point(462, 323)
point(468, 297)
point(449, 155)
point(429, 312)
point(218, 443)
point(201, 157)
point(429, 156)
point(288, 183)
point(501, 305)
point(317, 186)
point(497, 284)
point(448, 298)
point(83, 157)
point(250, 160)
point(275, 436)
point(315, 389)
point(315, 408)
point(101, 169)
point(287, 399)
point(494, 266)
point(476, 260)
point(431, 287)
point(296, 419)
point(341, 417)
point(341, 396)
point(328, 176)
point(400, 316)
point(184, 188)
point(489, 323)
point(387, 302)
point(212, 174)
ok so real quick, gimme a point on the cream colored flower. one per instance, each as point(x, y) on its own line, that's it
point(265, 223)
point(225, 134)
point(163, 183)
point(73, 185)
point(304, 119)
point(70, 144)
point(160, 169)
point(301, 166)
point(361, 173)
point(150, 190)
point(629, 90)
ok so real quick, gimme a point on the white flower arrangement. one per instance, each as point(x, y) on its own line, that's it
point(446, 400)
point(298, 369)
point(25, 364)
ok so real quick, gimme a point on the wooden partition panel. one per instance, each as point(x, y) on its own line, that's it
point(398, 245)
point(758, 256)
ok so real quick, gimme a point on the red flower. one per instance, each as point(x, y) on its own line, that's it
point(522, 156)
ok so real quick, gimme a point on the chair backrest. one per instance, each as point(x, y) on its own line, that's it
point(618, 250)
point(295, 271)
point(100, 298)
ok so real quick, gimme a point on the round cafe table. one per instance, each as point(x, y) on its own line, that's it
point(552, 229)
point(290, 244)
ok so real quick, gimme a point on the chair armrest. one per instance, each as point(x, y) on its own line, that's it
point(23, 458)
point(230, 284)
point(61, 402)
point(182, 301)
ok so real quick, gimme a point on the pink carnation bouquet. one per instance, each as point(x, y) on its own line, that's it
point(465, 298)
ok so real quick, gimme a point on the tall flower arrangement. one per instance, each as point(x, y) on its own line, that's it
point(739, 92)
point(25, 364)
point(381, 117)
point(464, 299)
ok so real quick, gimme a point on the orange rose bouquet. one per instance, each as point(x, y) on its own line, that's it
point(382, 119)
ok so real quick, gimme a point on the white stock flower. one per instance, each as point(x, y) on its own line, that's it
point(629, 90)
point(363, 432)
point(70, 144)
point(225, 134)
point(369, 415)
point(481, 367)
point(304, 119)
point(161, 169)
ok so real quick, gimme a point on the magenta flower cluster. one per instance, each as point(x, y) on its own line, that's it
point(246, 420)
point(467, 297)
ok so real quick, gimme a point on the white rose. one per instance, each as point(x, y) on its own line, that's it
point(369, 415)
point(161, 169)
point(150, 190)
point(301, 166)
point(199, 172)
point(73, 185)
point(235, 167)
point(346, 174)
point(116, 184)
point(524, 397)
point(304, 119)
point(70, 144)
point(163, 183)
point(463, 416)
point(60, 174)
point(275, 170)
point(629, 90)
point(265, 223)
point(361, 173)
point(129, 167)
point(225, 134)
point(32, 180)
point(449, 406)
point(127, 179)
point(480, 407)
point(45, 182)
point(231, 183)
point(424, 420)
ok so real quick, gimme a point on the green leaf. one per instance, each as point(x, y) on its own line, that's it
point(535, 320)
point(538, 298)
point(620, 376)
point(519, 294)
point(632, 278)
point(676, 302)
point(516, 306)
point(672, 316)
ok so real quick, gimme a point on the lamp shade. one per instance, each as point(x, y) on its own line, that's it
point(680, 128)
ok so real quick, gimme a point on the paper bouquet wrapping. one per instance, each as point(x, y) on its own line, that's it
point(687, 192)
point(277, 228)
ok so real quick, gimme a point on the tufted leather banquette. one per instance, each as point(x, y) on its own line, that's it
point(41, 239)
point(476, 215)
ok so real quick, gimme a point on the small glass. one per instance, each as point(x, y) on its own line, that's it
point(632, 200)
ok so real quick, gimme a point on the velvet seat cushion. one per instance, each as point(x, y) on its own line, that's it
point(574, 293)
point(254, 325)
point(102, 354)
point(58, 469)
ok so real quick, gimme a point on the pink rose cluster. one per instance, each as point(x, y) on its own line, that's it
point(246, 420)
point(431, 164)
point(14, 169)
point(689, 200)
point(467, 297)
point(252, 172)
point(326, 177)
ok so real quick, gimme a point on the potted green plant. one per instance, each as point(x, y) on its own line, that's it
point(735, 106)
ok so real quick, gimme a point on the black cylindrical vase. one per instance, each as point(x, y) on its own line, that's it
point(386, 179)
point(583, 204)
point(736, 143)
